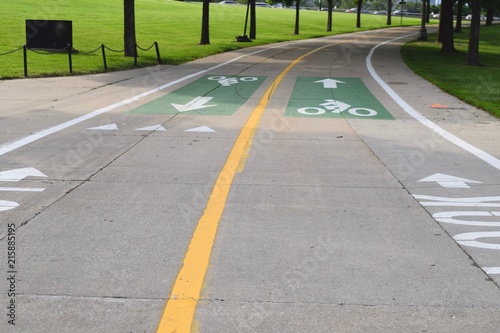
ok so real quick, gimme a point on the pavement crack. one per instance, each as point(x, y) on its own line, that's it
point(92, 298)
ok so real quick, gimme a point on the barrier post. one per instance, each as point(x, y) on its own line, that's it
point(158, 53)
point(104, 57)
point(25, 56)
point(69, 58)
point(135, 55)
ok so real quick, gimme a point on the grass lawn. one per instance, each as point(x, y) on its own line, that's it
point(478, 86)
point(175, 25)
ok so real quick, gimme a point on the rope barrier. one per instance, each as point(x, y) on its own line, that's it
point(48, 52)
point(9, 52)
point(69, 50)
point(110, 49)
point(90, 52)
point(149, 48)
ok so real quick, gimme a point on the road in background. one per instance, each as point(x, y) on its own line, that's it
point(351, 205)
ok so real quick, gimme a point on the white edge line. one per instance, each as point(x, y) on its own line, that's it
point(491, 160)
point(22, 189)
point(13, 145)
point(492, 270)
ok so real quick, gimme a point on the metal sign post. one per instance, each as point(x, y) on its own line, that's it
point(402, 3)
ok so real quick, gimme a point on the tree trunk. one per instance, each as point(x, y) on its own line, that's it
point(458, 25)
point(428, 12)
point(297, 11)
point(475, 26)
point(253, 20)
point(129, 28)
point(329, 20)
point(422, 33)
point(445, 34)
point(358, 14)
point(389, 12)
point(489, 17)
point(205, 26)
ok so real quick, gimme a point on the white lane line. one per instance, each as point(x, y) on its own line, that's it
point(492, 270)
point(22, 189)
point(491, 160)
point(13, 145)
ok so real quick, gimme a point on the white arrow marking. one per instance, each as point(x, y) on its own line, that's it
point(329, 83)
point(22, 189)
point(6, 205)
point(200, 129)
point(151, 128)
point(16, 175)
point(195, 104)
point(109, 127)
point(447, 181)
point(335, 106)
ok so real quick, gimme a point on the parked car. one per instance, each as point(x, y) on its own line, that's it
point(413, 13)
point(469, 17)
point(262, 4)
point(380, 12)
point(355, 10)
point(229, 2)
point(400, 12)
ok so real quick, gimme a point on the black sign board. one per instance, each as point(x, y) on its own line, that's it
point(48, 34)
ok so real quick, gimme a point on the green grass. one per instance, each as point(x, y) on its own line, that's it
point(175, 25)
point(478, 86)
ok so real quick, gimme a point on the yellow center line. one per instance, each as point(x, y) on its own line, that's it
point(180, 308)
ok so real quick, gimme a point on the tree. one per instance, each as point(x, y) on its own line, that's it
point(445, 33)
point(329, 19)
point(475, 25)
point(413, 5)
point(492, 7)
point(297, 14)
point(430, 9)
point(489, 16)
point(358, 14)
point(377, 5)
point(458, 25)
point(348, 3)
point(129, 28)
point(422, 33)
point(389, 12)
point(205, 27)
point(253, 20)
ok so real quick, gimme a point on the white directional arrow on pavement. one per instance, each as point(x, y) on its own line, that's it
point(329, 83)
point(448, 181)
point(108, 127)
point(195, 104)
point(200, 129)
point(16, 175)
point(152, 128)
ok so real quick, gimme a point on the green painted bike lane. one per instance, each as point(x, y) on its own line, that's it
point(216, 95)
point(318, 97)
point(342, 97)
